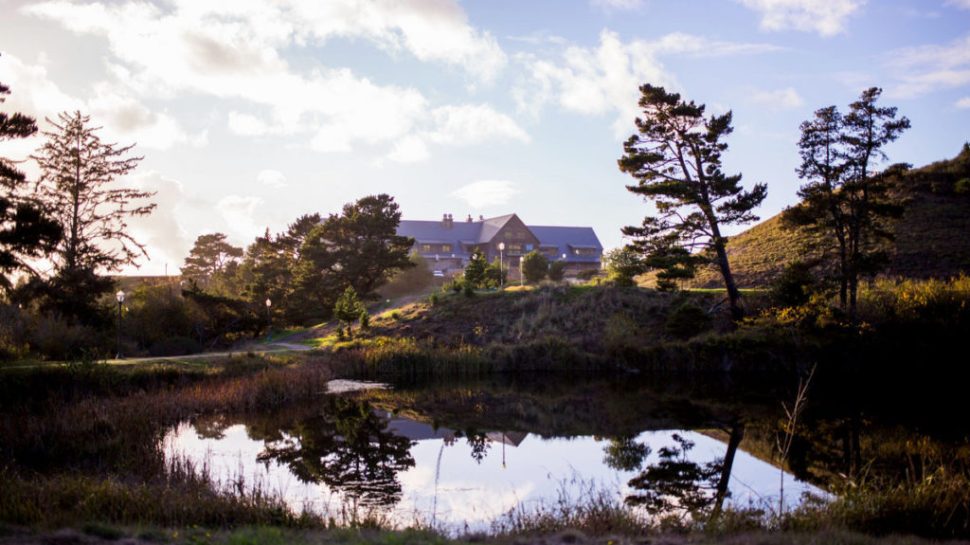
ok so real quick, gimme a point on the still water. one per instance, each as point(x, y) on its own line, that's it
point(463, 457)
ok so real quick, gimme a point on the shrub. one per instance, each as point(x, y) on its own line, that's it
point(534, 267)
point(587, 274)
point(175, 346)
point(686, 321)
point(557, 270)
point(794, 286)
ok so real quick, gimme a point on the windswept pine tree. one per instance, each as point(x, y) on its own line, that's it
point(675, 157)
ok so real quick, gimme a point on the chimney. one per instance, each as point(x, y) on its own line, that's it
point(446, 221)
point(469, 220)
point(481, 217)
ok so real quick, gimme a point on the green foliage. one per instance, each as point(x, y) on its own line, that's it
point(211, 256)
point(620, 332)
point(474, 275)
point(348, 307)
point(364, 321)
point(587, 274)
point(686, 321)
point(962, 186)
point(622, 265)
point(496, 274)
point(794, 286)
point(415, 279)
point(557, 271)
point(535, 266)
point(693, 202)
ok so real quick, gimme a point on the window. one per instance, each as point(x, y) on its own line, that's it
point(446, 248)
point(426, 248)
point(528, 247)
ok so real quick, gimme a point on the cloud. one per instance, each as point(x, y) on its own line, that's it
point(485, 193)
point(239, 213)
point(825, 17)
point(929, 68)
point(272, 178)
point(411, 149)
point(473, 124)
point(607, 78)
point(962, 4)
point(618, 5)
point(235, 51)
point(780, 99)
point(963, 102)
point(122, 116)
point(162, 232)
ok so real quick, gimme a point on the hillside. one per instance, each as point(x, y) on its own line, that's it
point(931, 238)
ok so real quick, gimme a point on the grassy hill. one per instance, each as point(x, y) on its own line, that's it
point(932, 237)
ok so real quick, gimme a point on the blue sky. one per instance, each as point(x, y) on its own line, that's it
point(250, 113)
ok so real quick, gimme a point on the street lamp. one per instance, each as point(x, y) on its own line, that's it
point(120, 296)
point(269, 317)
point(521, 270)
point(501, 264)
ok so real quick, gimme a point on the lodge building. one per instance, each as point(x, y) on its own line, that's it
point(448, 245)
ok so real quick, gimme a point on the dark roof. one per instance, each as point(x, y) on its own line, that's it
point(461, 234)
point(565, 238)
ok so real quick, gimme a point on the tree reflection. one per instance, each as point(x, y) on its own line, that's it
point(347, 447)
point(676, 485)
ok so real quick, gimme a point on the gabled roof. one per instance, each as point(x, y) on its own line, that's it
point(491, 226)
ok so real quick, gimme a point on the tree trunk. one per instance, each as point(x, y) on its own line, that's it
point(734, 296)
point(737, 433)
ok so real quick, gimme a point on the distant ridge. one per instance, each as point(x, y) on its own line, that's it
point(932, 237)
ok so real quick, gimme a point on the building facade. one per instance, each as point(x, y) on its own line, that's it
point(447, 244)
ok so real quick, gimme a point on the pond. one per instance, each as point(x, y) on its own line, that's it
point(473, 456)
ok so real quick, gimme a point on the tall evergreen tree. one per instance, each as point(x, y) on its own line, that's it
point(675, 157)
point(25, 231)
point(78, 170)
point(210, 256)
point(844, 194)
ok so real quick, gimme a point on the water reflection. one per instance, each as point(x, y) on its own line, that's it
point(346, 446)
point(353, 452)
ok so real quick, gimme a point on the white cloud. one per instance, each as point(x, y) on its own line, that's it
point(272, 178)
point(963, 103)
point(411, 149)
point(234, 51)
point(121, 115)
point(925, 69)
point(162, 233)
point(473, 124)
point(485, 193)
point(607, 78)
point(826, 17)
point(780, 99)
point(239, 214)
point(962, 4)
point(619, 5)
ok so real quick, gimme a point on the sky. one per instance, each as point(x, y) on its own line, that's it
point(250, 113)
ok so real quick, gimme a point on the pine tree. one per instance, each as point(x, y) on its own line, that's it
point(78, 170)
point(675, 157)
point(844, 195)
point(26, 233)
point(210, 256)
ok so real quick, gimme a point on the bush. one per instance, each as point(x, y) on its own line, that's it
point(686, 321)
point(587, 274)
point(557, 270)
point(534, 267)
point(794, 286)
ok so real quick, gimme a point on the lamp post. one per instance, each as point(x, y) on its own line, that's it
point(501, 264)
point(521, 270)
point(120, 297)
point(269, 317)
